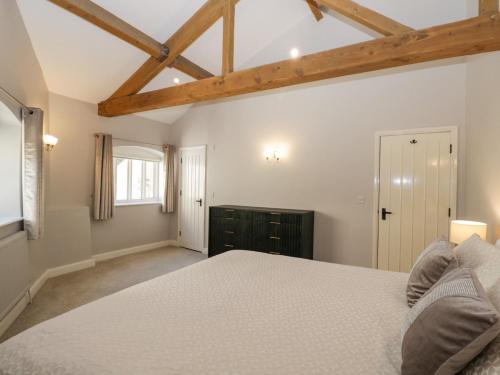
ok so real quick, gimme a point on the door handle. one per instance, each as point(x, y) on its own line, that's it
point(200, 201)
point(385, 213)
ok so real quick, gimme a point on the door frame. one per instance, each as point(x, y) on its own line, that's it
point(453, 130)
point(204, 197)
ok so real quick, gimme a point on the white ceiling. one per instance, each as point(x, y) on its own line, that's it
point(84, 62)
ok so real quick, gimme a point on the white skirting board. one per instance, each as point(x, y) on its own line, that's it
point(14, 313)
point(18, 308)
point(133, 250)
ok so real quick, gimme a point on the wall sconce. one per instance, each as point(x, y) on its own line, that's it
point(274, 154)
point(50, 142)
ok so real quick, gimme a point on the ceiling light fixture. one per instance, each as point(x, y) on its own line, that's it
point(177, 80)
point(294, 53)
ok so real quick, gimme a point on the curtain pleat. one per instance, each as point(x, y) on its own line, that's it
point(168, 205)
point(104, 192)
point(33, 192)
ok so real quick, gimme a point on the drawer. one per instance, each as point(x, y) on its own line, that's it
point(277, 218)
point(230, 213)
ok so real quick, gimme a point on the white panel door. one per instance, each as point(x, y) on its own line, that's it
point(415, 196)
point(192, 197)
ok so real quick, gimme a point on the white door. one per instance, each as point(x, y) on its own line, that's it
point(192, 197)
point(416, 195)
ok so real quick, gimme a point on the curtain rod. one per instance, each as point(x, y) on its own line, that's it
point(13, 98)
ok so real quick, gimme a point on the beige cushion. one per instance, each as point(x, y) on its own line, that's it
point(488, 362)
point(451, 324)
point(482, 257)
point(434, 261)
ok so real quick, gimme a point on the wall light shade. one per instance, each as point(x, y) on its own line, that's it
point(272, 153)
point(460, 230)
point(50, 141)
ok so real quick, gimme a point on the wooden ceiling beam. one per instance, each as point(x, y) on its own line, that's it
point(107, 21)
point(200, 22)
point(100, 17)
point(367, 17)
point(313, 5)
point(191, 69)
point(472, 36)
point(228, 38)
point(488, 6)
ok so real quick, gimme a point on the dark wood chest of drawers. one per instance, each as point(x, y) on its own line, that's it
point(269, 230)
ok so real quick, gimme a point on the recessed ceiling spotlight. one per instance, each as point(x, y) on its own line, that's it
point(177, 80)
point(294, 53)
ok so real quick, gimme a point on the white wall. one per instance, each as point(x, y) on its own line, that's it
point(21, 76)
point(482, 199)
point(72, 173)
point(329, 130)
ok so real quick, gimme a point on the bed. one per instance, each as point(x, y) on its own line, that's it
point(240, 312)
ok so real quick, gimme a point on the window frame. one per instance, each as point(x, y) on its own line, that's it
point(157, 171)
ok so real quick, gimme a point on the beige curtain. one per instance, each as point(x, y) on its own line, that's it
point(104, 192)
point(168, 205)
point(33, 201)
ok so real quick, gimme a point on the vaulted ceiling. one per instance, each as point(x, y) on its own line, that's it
point(82, 61)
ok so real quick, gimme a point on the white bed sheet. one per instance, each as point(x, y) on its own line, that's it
point(238, 313)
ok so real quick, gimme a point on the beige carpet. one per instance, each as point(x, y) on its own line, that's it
point(67, 292)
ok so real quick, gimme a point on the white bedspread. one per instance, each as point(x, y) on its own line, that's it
point(238, 313)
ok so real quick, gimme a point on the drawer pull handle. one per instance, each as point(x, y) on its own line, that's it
point(228, 232)
point(275, 238)
point(230, 246)
point(275, 222)
point(228, 210)
point(276, 213)
point(274, 253)
point(229, 218)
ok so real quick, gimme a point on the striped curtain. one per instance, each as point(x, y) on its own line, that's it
point(168, 205)
point(104, 192)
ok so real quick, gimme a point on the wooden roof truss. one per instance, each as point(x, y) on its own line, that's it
point(400, 45)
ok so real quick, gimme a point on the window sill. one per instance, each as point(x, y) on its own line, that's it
point(4, 221)
point(10, 226)
point(125, 204)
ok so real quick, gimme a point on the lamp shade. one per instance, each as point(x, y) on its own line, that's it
point(460, 230)
point(50, 140)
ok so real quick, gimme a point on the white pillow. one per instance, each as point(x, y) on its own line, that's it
point(482, 257)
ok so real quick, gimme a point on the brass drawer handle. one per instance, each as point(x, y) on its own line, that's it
point(229, 218)
point(274, 238)
point(228, 210)
point(274, 253)
point(230, 246)
point(275, 222)
point(276, 213)
point(228, 232)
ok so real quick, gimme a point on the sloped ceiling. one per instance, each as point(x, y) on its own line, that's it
point(84, 62)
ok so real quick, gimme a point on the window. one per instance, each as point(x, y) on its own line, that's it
point(138, 175)
point(10, 166)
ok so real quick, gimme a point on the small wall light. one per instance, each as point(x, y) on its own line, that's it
point(50, 142)
point(274, 153)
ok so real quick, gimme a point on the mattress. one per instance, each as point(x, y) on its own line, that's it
point(238, 313)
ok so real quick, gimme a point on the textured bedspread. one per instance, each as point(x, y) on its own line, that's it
point(238, 313)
